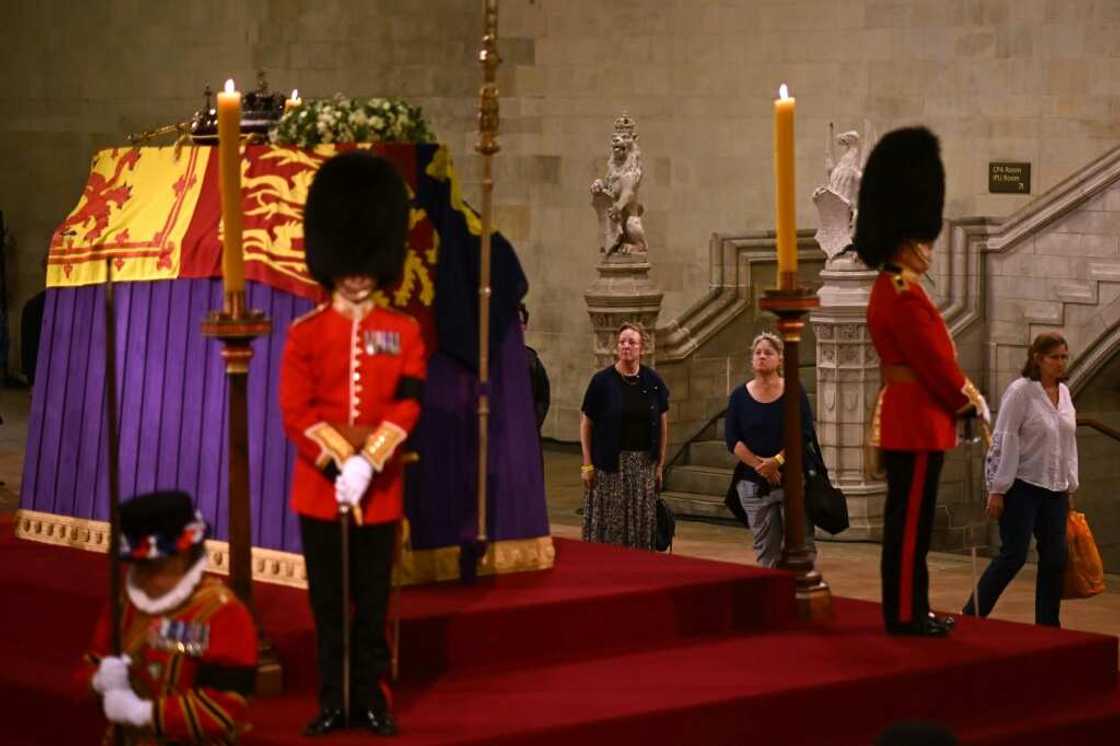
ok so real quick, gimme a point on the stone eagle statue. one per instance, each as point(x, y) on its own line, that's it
point(836, 202)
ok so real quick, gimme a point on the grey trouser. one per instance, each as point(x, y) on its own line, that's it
point(767, 519)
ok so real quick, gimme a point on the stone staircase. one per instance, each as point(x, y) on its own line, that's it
point(695, 487)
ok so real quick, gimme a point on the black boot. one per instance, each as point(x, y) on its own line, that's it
point(923, 627)
point(328, 720)
point(945, 620)
point(375, 718)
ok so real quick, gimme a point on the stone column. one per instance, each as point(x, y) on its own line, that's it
point(623, 293)
point(847, 385)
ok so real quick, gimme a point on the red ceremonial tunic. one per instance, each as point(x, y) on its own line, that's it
point(923, 387)
point(346, 365)
point(196, 663)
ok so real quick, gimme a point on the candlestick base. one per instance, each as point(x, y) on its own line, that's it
point(788, 282)
point(270, 674)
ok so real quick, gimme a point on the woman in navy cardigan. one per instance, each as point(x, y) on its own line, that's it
point(753, 432)
point(623, 430)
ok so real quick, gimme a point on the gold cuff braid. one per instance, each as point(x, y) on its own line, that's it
point(332, 445)
point(382, 443)
point(973, 395)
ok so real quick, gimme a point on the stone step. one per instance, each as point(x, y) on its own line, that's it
point(692, 505)
point(700, 480)
point(712, 453)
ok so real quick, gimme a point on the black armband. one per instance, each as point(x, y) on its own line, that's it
point(409, 388)
point(239, 679)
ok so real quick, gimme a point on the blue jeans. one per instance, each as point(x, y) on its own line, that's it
point(1029, 509)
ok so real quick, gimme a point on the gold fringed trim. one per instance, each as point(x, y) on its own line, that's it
point(287, 568)
point(442, 563)
point(872, 446)
point(875, 432)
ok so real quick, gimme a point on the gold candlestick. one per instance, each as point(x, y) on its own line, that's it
point(237, 327)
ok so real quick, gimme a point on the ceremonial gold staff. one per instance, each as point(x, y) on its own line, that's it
point(487, 146)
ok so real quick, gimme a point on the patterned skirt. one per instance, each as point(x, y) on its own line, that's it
point(621, 507)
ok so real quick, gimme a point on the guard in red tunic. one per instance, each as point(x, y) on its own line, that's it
point(924, 391)
point(189, 645)
point(350, 388)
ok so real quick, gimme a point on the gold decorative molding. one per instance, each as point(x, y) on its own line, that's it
point(287, 568)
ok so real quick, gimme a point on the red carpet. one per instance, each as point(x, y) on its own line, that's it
point(612, 646)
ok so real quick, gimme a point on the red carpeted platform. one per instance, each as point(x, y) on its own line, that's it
point(612, 646)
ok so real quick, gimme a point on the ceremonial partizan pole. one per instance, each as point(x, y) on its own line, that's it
point(487, 146)
point(116, 611)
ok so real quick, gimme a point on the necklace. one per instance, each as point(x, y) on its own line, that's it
point(628, 379)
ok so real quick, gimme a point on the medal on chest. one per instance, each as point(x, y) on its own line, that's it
point(377, 342)
point(179, 636)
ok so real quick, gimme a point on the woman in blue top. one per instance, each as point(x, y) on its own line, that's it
point(753, 432)
point(623, 430)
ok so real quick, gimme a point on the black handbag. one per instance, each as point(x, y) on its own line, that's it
point(666, 527)
point(826, 505)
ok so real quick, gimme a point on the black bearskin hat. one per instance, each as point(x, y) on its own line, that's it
point(159, 524)
point(355, 221)
point(901, 195)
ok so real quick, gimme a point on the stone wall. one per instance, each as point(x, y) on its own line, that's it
point(1067, 277)
point(1031, 80)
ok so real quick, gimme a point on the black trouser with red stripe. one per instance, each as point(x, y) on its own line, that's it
point(371, 564)
point(912, 478)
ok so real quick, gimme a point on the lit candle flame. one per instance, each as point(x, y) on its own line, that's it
point(295, 94)
point(230, 88)
point(783, 92)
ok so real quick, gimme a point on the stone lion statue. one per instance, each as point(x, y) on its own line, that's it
point(615, 197)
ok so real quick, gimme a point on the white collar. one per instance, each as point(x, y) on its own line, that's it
point(351, 310)
point(174, 597)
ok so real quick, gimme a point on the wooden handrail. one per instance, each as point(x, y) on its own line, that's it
point(1099, 427)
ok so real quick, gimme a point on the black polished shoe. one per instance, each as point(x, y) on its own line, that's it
point(945, 621)
point(376, 719)
point(921, 628)
point(327, 721)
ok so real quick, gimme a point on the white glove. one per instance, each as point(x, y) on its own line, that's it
point(124, 707)
point(112, 673)
point(983, 411)
point(354, 480)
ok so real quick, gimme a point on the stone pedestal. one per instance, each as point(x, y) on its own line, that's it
point(623, 293)
point(847, 385)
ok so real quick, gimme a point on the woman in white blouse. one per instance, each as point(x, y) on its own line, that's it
point(1031, 472)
